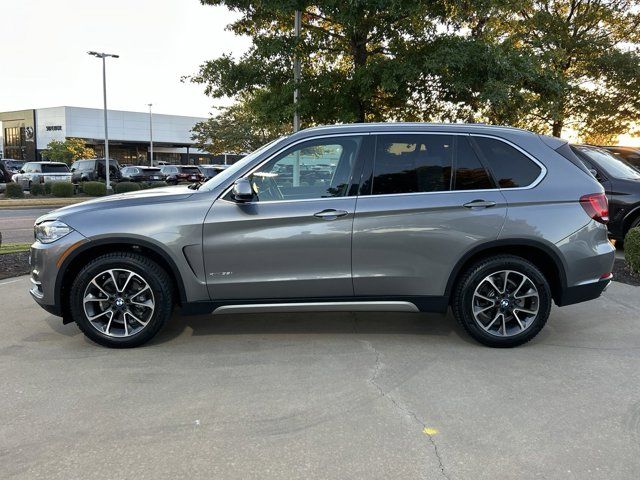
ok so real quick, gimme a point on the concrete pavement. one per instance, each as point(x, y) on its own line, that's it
point(328, 396)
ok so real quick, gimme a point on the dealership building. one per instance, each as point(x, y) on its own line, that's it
point(26, 133)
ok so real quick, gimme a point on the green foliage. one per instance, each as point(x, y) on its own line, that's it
point(146, 185)
point(124, 187)
point(94, 189)
point(68, 151)
point(545, 65)
point(632, 249)
point(37, 189)
point(47, 188)
point(14, 191)
point(62, 189)
point(14, 247)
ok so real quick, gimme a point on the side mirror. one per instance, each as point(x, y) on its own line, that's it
point(21, 171)
point(242, 191)
point(595, 174)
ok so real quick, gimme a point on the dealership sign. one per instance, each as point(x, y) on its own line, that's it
point(53, 128)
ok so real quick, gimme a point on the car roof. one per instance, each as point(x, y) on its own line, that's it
point(48, 163)
point(414, 126)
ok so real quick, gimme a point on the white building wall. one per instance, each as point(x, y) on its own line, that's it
point(50, 125)
point(128, 126)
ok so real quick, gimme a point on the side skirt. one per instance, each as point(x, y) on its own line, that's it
point(345, 304)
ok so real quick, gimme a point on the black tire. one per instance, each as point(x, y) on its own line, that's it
point(158, 281)
point(463, 301)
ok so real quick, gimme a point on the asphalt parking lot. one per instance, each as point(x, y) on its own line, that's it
point(357, 396)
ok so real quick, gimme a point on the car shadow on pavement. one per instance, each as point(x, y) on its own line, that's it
point(312, 323)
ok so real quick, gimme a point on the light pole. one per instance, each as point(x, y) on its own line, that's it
point(151, 131)
point(107, 164)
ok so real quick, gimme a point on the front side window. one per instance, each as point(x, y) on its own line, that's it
point(412, 163)
point(318, 168)
point(510, 167)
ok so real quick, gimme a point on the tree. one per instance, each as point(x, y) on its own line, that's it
point(588, 48)
point(68, 151)
point(356, 59)
point(235, 129)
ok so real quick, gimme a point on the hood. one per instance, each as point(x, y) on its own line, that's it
point(121, 200)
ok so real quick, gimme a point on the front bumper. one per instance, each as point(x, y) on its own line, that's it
point(45, 261)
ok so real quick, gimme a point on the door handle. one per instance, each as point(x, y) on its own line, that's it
point(330, 214)
point(479, 204)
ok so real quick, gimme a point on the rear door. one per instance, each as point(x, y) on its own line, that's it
point(294, 239)
point(427, 201)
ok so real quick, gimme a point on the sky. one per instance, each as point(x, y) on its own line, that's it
point(45, 64)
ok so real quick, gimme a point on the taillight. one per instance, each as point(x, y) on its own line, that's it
point(597, 206)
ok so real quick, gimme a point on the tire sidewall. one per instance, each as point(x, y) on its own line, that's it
point(486, 268)
point(155, 277)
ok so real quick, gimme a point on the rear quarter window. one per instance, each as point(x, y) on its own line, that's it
point(510, 167)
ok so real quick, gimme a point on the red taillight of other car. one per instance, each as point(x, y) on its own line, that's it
point(597, 206)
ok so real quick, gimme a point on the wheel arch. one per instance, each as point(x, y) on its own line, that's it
point(92, 249)
point(541, 255)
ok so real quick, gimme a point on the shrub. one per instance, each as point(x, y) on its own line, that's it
point(632, 249)
point(14, 191)
point(94, 189)
point(146, 185)
point(47, 188)
point(124, 187)
point(62, 189)
point(37, 189)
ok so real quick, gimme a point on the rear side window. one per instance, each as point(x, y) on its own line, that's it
point(510, 167)
point(469, 172)
point(412, 163)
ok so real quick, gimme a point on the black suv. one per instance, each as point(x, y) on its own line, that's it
point(93, 170)
point(628, 154)
point(181, 173)
point(621, 181)
point(141, 174)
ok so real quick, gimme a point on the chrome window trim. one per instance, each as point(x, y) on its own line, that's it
point(278, 152)
point(535, 183)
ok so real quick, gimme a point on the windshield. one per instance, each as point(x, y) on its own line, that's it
point(14, 164)
point(238, 166)
point(611, 164)
point(54, 168)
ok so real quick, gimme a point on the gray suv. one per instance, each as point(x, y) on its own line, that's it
point(495, 222)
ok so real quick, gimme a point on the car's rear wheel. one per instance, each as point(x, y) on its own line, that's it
point(121, 300)
point(502, 301)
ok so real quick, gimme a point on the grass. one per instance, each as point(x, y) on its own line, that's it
point(10, 247)
point(40, 202)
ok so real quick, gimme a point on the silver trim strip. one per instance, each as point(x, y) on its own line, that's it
point(319, 307)
point(536, 182)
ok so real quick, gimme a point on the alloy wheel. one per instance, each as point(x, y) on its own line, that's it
point(505, 303)
point(118, 302)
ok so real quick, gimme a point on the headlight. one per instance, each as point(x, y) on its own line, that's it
point(51, 230)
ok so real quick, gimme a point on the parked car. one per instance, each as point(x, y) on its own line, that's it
point(5, 177)
point(92, 169)
point(629, 154)
point(12, 166)
point(417, 217)
point(141, 174)
point(42, 172)
point(621, 182)
point(175, 174)
point(210, 171)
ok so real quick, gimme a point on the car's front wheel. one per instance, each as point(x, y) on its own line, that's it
point(502, 301)
point(121, 300)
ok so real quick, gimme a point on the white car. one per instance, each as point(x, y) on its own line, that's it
point(42, 172)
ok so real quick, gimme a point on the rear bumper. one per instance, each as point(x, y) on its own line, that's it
point(583, 293)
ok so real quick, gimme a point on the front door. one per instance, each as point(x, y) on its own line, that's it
point(294, 239)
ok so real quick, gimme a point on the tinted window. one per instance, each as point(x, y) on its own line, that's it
point(54, 168)
point(314, 169)
point(469, 172)
point(412, 163)
point(611, 164)
point(510, 167)
point(190, 170)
